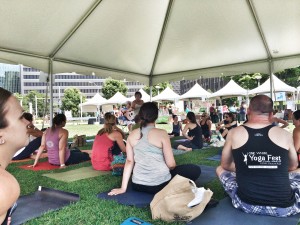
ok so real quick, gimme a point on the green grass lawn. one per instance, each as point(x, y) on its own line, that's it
point(90, 209)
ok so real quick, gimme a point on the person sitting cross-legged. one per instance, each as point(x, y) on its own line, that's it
point(150, 157)
point(259, 165)
point(108, 142)
point(55, 140)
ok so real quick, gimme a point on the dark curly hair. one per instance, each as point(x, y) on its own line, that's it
point(5, 95)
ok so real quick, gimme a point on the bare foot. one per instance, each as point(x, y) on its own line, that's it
point(189, 149)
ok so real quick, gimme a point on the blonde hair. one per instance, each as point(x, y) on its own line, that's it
point(109, 123)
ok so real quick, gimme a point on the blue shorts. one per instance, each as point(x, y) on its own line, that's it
point(228, 180)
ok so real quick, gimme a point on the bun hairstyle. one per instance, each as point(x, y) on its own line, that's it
point(148, 114)
point(109, 123)
point(5, 95)
point(58, 120)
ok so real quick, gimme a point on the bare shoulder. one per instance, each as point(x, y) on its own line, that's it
point(280, 136)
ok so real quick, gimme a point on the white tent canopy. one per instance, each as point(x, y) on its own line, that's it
point(229, 90)
point(151, 41)
point(92, 105)
point(145, 96)
point(118, 98)
point(195, 92)
point(166, 95)
point(278, 86)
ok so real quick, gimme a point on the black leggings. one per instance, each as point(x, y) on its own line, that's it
point(77, 156)
point(29, 149)
point(189, 171)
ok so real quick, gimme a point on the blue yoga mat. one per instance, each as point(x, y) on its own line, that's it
point(208, 173)
point(42, 201)
point(141, 199)
point(224, 213)
point(215, 158)
point(130, 198)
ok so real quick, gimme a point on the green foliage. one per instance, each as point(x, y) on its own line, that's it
point(71, 100)
point(162, 86)
point(290, 76)
point(111, 87)
point(31, 97)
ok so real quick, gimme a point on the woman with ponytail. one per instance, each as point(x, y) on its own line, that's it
point(55, 140)
point(108, 142)
point(150, 156)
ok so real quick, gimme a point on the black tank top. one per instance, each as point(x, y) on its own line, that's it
point(204, 127)
point(197, 133)
point(262, 171)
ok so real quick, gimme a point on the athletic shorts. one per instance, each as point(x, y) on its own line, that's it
point(228, 180)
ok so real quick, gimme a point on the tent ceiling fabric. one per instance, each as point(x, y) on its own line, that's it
point(165, 40)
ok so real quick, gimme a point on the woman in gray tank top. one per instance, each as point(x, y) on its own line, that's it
point(150, 157)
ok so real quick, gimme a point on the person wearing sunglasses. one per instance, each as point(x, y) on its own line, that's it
point(227, 124)
point(205, 124)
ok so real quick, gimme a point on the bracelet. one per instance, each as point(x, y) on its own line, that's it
point(62, 165)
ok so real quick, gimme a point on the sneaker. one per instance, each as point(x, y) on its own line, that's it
point(199, 192)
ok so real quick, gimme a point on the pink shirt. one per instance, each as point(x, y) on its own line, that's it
point(52, 143)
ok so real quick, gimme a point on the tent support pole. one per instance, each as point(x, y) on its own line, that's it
point(51, 89)
point(150, 85)
point(271, 69)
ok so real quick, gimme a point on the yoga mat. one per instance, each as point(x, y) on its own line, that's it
point(43, 155)
point(76, 174)
point(208, 173)
point(130, 198)
point(40, 166)
point(43, 200)
point(215, 158)
point(181, 140)
point(225, 213)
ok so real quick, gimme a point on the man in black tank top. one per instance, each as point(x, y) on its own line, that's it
point(259, 165)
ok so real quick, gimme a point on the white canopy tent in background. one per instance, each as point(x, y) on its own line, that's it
point(166, 95)
point(118, 98)
point(195, 92)
point(92, 105)
point(145, 96)
point(231, 89)
point(278, 86)
point(151, 41)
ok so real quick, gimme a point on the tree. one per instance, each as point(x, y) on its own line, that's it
point(111, 87)
point(71, 100)
point(162, 86)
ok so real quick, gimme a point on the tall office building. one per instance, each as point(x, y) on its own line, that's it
point(10, 77)
point(89, 85)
